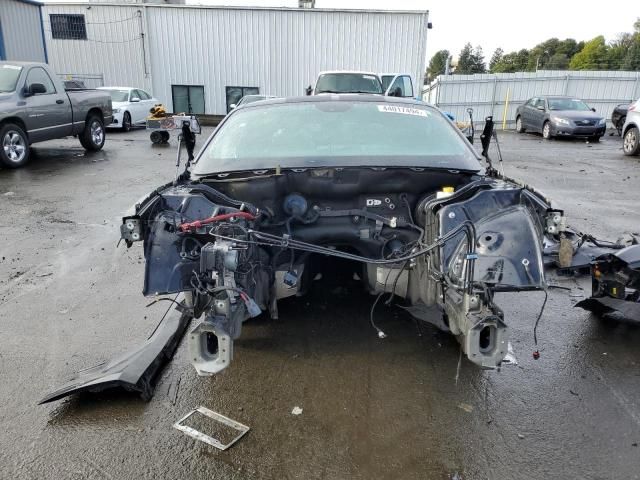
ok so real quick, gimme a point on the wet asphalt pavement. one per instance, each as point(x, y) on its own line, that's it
point(393, 408)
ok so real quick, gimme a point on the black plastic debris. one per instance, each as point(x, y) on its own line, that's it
point(136, 370)
point(616, 285)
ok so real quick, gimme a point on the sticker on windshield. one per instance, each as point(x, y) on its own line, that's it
point(369, 77)
point(12, 67)
point(403, 110)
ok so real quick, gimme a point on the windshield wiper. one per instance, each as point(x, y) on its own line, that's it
point(328, 91)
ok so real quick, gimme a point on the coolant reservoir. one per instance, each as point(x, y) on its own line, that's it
point(445, 192)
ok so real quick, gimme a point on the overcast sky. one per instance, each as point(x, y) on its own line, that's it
point(510, 24)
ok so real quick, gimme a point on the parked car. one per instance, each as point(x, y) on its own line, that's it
point(35, 107)
point(619, 116)
point(250, 99)
point(560, 116)
point(348, 82)
point(130, 106)
point(631, 131)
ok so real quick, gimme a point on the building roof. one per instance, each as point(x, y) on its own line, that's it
point(227, 7)
point(30, 2)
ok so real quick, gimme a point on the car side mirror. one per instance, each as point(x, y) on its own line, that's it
point(232, 106)
point(35, 89)
point(308, 91)
point(593, 109)
point(135, 100)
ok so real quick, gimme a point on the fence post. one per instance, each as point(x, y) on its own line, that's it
point(504, 111)
point(636, 89)
point(566, 84)
point(493, 97)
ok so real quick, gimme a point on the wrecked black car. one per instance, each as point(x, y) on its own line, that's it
point(387, 186)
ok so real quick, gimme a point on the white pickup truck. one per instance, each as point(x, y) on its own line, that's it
point(345, 81)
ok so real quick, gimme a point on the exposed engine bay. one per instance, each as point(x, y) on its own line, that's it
point(439, 242)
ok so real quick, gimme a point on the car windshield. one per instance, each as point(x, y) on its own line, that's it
point(9, 77)
point(335, 133)
point(567, 104)
point(119, 95)
point(348, 83)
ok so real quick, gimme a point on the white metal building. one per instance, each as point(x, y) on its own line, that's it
point(205, 57)
point(21, 36)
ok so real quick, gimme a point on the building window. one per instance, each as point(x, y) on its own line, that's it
point(234, 94)
point(68, 27)
point(188, 99)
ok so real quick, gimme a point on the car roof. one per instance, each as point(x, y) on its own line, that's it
point(339, 97)
point(120, 88)
point(22, 64)
point(347, 71)
point(554, 96)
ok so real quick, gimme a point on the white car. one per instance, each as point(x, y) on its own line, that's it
point(130, 106)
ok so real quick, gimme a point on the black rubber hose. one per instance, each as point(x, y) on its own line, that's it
point(215, 195)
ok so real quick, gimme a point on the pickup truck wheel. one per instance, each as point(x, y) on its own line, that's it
point(92, 137)
point(15, 146)
point(126, 122)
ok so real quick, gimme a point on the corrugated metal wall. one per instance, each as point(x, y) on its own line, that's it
point(280, 51)
point(487, 93)
point(113, 47)
point(21, 31)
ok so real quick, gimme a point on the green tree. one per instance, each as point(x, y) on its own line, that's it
point(512, 62)
point(552, 54)
point(495, 59)
point(632, 56)
point(437, 64)
point(557, 61)
point(619, 49)
point(465, 60)
point(477, 61)
point(593, 56)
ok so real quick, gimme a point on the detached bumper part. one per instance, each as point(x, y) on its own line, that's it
point(615, 280)
point(136, 370)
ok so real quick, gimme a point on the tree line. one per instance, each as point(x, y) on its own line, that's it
point(553, 54)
